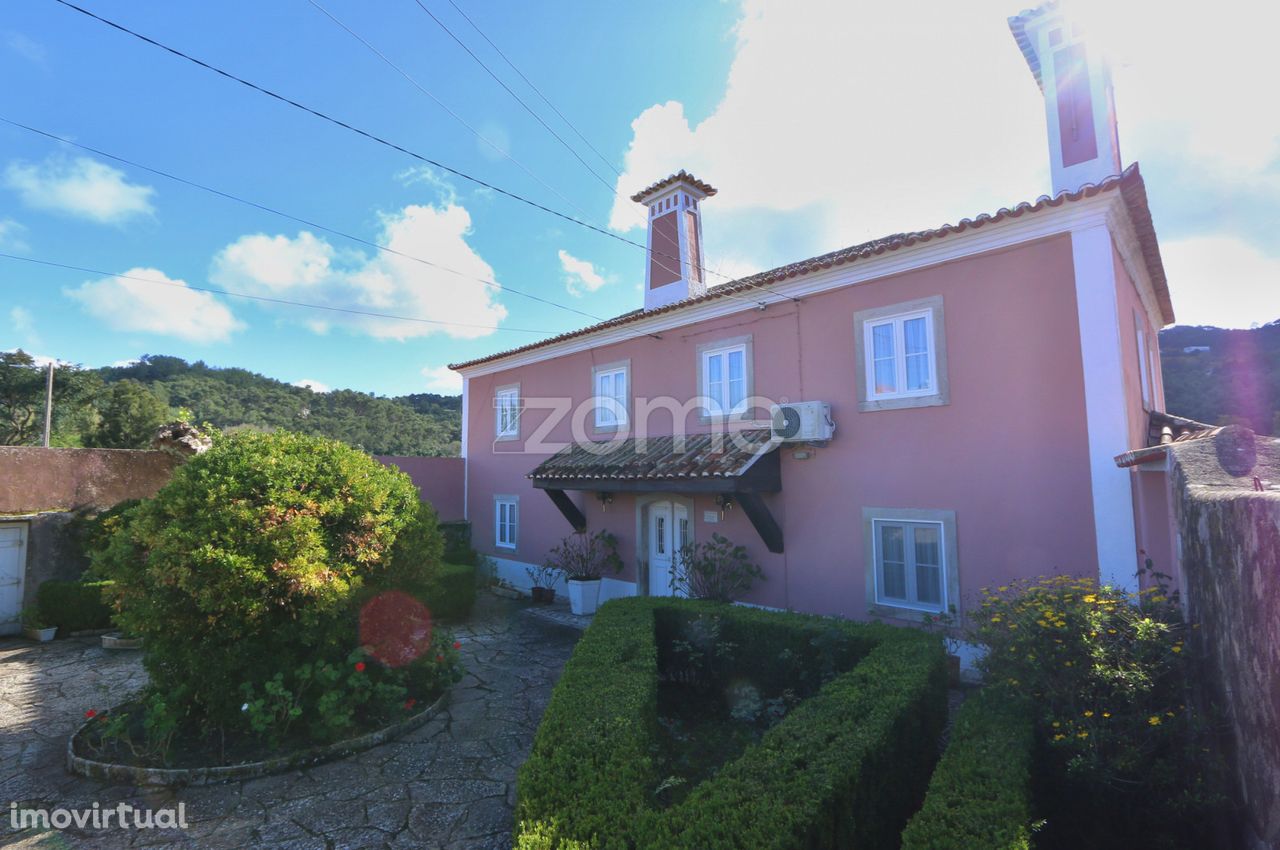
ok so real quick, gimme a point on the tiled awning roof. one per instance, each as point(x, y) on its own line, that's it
point(681, 175)
point(700, 457)
point(1163, 431)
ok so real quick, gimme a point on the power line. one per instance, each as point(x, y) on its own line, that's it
point(294, 218)
point(518, 99)
point(367, 134)
point(497, 148)
point(536, 90)
point(286, 302)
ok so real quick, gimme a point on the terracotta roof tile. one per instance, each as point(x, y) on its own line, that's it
point(1129, 183)
point(1165, 430)
point(701, 185)
point(658, 458)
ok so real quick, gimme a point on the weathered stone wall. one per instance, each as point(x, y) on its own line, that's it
point(49, 488)
point(33, 480)
point(1230, 538)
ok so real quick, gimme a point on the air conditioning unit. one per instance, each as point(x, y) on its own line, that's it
point(802, 422)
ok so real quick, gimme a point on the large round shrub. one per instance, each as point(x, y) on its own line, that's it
point(250, 564)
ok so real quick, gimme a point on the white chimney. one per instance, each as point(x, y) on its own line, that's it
point(675, 270)
point(1084, 146)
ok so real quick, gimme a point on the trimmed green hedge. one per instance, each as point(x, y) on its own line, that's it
point(457, 542)
point(452, 592)
point(980, 795)
point(74, 606)
point(844, 769)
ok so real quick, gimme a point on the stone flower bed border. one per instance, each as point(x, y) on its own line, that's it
point(114, 772)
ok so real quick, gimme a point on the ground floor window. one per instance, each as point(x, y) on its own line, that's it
point(911, 559)
point(505, 521)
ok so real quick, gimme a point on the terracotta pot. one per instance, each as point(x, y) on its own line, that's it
point(544, 595)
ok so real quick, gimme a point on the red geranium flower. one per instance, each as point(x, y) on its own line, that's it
point(408, 704)
point(90, 714)
point(440, 658)
point(359, 666)
point(457, 645)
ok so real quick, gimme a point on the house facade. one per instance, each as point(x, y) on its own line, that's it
point(974, 382)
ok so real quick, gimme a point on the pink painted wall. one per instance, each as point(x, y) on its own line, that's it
point(440, 481)
point(1009, 453)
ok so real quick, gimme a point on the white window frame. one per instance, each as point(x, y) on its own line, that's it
point(909, 563)
point(616, 415)
point(898, 323)
point(511, 429)
point(939, 390)
point(873, 520)
point(511, 504)
point(723, 348)
point(1144, 361)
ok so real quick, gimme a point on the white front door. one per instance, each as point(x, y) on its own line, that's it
point(669, 531)
point(13, 563)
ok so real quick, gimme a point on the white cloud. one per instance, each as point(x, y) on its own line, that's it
point(26, 47)
point(24, 325)
point(313, 385)
point(308, 268)
point(127, 303)
point(580, 276)
point(11, 235)
point(844, 121)
point(442, 379)
point(1223, 281)
point(868, 119)
point(123, 364)
point(81, 187)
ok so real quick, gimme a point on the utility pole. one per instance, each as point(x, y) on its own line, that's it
point(48, 405)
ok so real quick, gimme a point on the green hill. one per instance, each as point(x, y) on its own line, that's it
point(1222, 375)
point(419, 424)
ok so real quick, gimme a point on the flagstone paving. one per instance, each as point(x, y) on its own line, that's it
point(449, 784)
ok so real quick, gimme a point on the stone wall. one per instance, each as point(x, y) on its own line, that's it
point(1230, 546)
point(49, 488)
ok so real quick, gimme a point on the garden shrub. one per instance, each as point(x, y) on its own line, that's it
point(845, 768)
point(74, 606)
point(416, 554)
point(457, 542)
point(714, 569)
point(453, 592)
point(1125, 755)
point(253, 566)
point(980, 794)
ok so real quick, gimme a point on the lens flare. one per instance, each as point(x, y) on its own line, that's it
point(395, 628)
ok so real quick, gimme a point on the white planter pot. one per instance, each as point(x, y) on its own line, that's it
point(42, 635)
point(584, 596)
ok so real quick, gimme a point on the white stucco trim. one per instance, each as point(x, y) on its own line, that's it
point(513, 573)
point(1105, 411)
point(995, 236)
point(466, 463)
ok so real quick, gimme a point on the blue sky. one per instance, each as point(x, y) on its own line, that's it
point(821, 124)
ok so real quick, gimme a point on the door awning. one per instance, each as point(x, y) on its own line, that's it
point(742, 464)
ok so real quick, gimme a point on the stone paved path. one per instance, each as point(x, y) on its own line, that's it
point(449, 784)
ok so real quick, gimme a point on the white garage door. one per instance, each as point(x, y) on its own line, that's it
point(13, 562)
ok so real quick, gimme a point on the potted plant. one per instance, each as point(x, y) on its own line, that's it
point(544, 580)
point(582, 558)
point(945, 625)
point(35, 626)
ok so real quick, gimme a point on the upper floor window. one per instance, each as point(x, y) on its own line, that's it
point(724, 376)
point(506, 414)
point(900, 356)
point(1146, 374)
point(903, 356)
point(610, 391)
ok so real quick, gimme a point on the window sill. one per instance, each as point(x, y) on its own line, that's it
point(903, 402)
point(909, 615)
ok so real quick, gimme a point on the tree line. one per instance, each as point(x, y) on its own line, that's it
point(122, 406)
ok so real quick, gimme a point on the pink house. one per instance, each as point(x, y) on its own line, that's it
point(889, 427)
